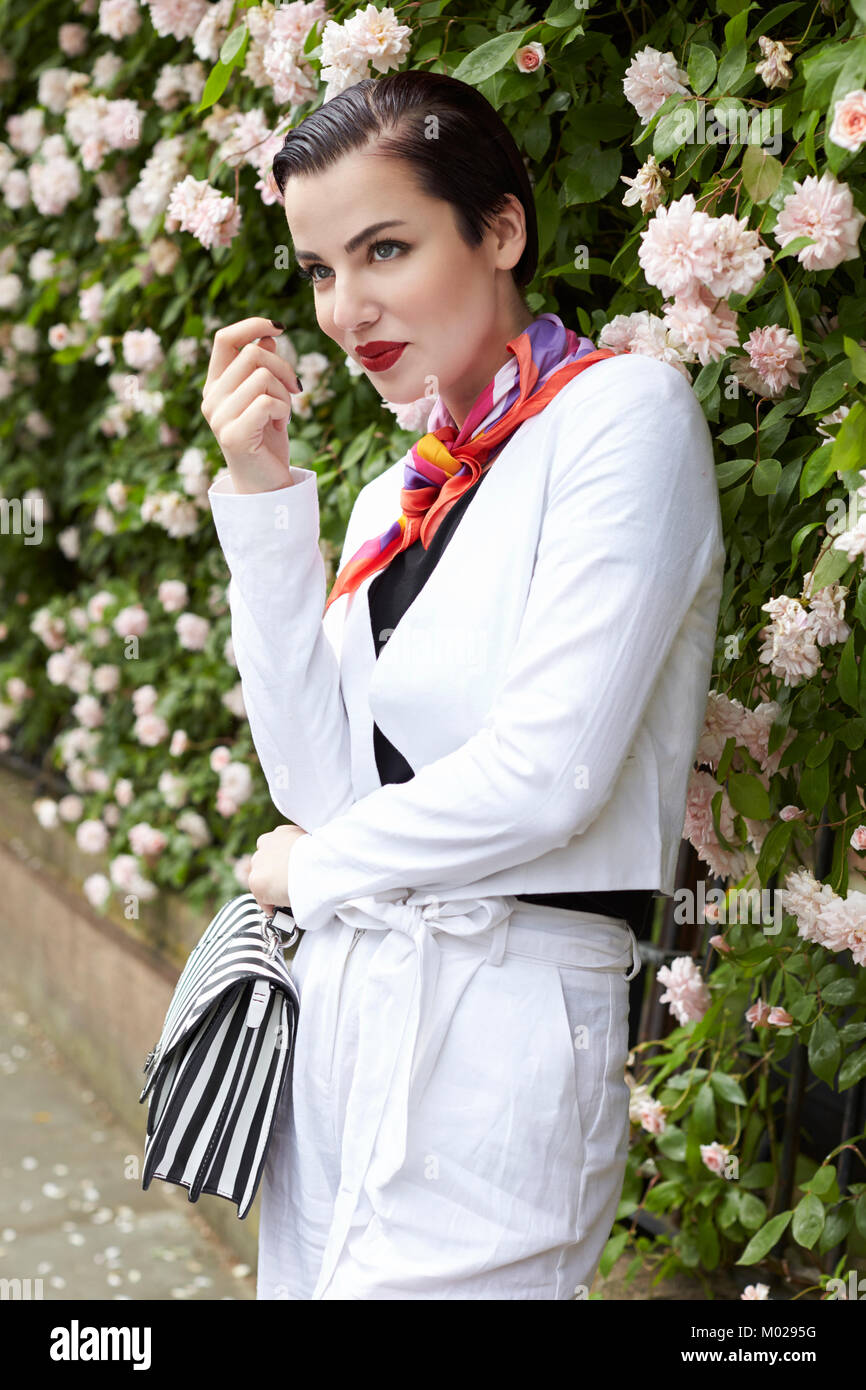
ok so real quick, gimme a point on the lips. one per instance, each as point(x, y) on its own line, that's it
point(379, 356)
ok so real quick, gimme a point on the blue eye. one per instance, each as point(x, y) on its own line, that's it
point(374, 245)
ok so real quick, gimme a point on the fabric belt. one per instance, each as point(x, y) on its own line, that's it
point(404, 1021)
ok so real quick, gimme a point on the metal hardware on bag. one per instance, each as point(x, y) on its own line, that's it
point(148, 1059)
point(277, 933)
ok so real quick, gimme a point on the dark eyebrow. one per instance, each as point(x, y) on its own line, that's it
point(355, 241)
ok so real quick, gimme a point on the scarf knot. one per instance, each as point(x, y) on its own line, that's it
point(448, 459)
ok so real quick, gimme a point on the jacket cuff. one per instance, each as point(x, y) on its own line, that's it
point(250, 523)
point(304, 872)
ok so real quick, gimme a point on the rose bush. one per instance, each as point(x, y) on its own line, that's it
point(700, 194)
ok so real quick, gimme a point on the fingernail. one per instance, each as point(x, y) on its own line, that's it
point(277, 325)
point(300, 384)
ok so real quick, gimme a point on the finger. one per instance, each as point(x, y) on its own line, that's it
point(262, 385)
point(251, 359)
point(229, 340)
point(292, 380)
point(250, 425)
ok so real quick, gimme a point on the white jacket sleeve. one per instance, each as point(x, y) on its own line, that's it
point(284, 647)
point(629, 533)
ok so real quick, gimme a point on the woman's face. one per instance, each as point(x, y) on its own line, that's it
point(413, 282)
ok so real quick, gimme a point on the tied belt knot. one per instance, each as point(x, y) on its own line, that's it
point(404, 1018)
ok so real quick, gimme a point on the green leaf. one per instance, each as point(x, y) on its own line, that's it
point(669, 104)
point(809, 140)
point(758, 1175)
point(732, 67)
point(702, 1122)
point(857, 356)
point(852, 1069)
point(701, 67)
point(562, 14)
point(765, 479)
point(773, 848)
point(821, 1180)
point(728, 1210)
point(836, 1227)
point(762, 173)
point(214, 86)
point(728, 1087)
point(829, 388)
point(708, 1241)
point(672, 1143)
point(731, 115)
point(232, 45)
point(612, 1252)
point(793, 312)
point(592, 172)
point(735, 29)
point(794, 246)
point(820, 69)
point(675, 128)
point(765, 1239)
point(735, 434)
point(706, 379)
point(817, 470)
point(489, 58)
point(728, 472)
point(752, 1210)
point(830, 567)
point(847, 675)
point(808, 1222)
point(748, 795)
point(824, 1049)
point(849, 446)
point(536, 137)
point(773, 18)
point(819, 752)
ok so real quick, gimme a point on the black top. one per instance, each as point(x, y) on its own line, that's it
point(390, 594)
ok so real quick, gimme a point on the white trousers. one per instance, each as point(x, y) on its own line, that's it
point(457, 1120)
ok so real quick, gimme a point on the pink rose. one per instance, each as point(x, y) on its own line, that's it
point(530, 57)
point(131, 622)
point(150, 729)
point(779, 1017)
point(849, 121)
point(714, 1156)
point(758, 1014)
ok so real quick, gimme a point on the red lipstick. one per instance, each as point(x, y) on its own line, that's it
point(378, 356)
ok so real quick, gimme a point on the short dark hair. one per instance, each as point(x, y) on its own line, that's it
point(473, 163)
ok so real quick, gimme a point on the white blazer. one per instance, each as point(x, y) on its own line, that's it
point(548, 684)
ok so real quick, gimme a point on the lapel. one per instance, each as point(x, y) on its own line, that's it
point(441, 667)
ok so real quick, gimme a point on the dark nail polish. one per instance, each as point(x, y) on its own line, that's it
point(276, 324)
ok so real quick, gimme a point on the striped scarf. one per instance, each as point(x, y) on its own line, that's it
point(447, 460)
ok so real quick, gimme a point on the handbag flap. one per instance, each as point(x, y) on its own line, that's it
point(234, 948)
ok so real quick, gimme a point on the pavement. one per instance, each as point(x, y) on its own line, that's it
point(73, 1214)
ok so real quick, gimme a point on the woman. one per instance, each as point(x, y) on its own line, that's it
point(488, 717)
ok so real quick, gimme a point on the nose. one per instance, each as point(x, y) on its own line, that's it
point(353, 311)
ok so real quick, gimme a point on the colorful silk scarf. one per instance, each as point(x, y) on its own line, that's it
point(447, 460)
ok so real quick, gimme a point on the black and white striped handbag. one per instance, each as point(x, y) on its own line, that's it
point(218, 1071)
